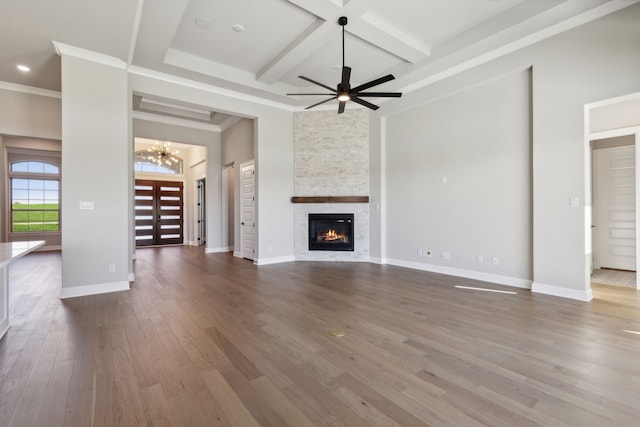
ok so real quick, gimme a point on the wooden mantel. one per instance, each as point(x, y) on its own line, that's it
point(330, 199)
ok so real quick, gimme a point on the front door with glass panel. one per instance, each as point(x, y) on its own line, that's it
point(158, 212)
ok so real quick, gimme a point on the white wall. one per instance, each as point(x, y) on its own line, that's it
point(478, 141)
point(96, 148)
point(596, 61)
point(237, 148)
point(32, 115)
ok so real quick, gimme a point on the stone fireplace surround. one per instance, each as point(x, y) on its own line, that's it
point(331, 161)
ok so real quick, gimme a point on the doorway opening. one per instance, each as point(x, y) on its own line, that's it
point(612, 128)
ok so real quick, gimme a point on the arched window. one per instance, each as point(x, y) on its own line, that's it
point(35, 196)
point(146, 163)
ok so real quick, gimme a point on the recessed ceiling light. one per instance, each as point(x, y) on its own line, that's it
point(204, 23)
point(23, 68)
point(238, 28)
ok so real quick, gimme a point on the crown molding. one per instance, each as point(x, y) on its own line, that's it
point(140, 115)
point(66, 50)
point(30, 90)
point(169, 78)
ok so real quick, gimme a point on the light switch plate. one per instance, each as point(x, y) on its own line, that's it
point(86, 205)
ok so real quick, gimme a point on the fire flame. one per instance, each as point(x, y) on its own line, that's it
point(331, 235)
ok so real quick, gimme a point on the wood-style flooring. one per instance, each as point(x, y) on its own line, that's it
point(212, 340)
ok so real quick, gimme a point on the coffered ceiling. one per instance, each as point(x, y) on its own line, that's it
point(259, 47)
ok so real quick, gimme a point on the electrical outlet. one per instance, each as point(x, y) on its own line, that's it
point(419, 252)
point(443, 255)
point(427, 253)
point(495, 260)
point(480, 259)
point(111, 268)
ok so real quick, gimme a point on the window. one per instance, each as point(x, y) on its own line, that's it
point(144, 164)
point(35, 196)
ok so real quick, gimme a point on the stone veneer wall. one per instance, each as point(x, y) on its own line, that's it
point(331, 158)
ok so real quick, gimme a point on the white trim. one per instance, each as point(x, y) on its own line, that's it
point(613, 133)
point(214, 250)
point(376, 260)
point(230, 122)
point(132, 277)
point(459, 272)
point(65, 49)
point(135, 31)
point(4, 326)
point(237, 254)
point(150, 117)
point(274, 260)
point(30, 90)
point(615, 100)
point(101, 288)
point(144, 72)
point(558, 291)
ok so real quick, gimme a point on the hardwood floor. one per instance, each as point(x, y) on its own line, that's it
point(212, 340)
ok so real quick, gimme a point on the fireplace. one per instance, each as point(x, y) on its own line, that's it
point(331, 232)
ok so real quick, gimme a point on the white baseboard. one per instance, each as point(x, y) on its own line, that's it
point(460, 272)
point(101, 288)
point(274, 260)
point(4, 326)
point(376, 260)
point(237, 254)
point(132, 277)
point(213, 250)
point(557, 291)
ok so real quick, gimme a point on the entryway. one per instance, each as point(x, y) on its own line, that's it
point(158, 212)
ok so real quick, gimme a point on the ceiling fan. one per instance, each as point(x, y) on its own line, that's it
point(344, 92)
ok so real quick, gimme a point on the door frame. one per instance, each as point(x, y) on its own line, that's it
point(588, 170)
point(255, 243)
point(598, 202)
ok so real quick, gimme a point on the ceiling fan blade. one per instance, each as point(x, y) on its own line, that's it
point(321, 102)
point(326, 94)
point(317, 83)
point(379, 94)
point(341, 105)
point(365, 103)
point(346, 76)
point(373, 83)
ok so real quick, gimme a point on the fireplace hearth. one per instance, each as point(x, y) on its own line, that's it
point(331, 232)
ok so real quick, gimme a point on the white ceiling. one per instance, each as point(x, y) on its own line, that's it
point(416, 40)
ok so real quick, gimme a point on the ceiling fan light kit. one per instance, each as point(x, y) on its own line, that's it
point(344, 92)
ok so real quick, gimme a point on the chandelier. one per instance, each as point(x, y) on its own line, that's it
point(161, 154)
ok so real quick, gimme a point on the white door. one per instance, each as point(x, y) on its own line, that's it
point(247, 210)
point(615, 208)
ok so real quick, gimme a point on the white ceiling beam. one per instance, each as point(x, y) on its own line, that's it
point(384, 36)
point(316, 36)
point(367, 27)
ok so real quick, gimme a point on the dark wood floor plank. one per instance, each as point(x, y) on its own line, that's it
point(213, 340)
